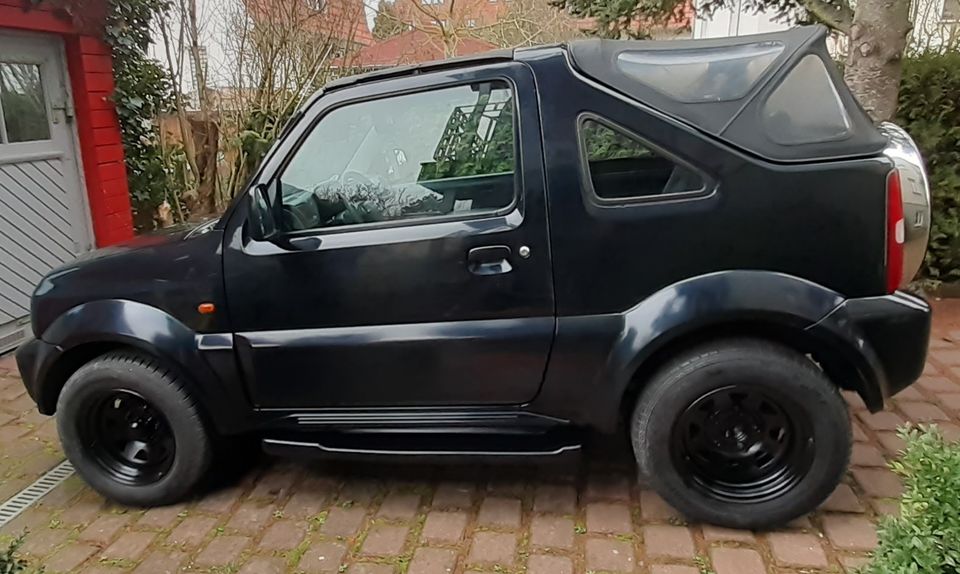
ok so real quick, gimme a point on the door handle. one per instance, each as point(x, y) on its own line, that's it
point(489, 260)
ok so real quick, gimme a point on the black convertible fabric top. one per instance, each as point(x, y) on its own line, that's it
point(728, 87)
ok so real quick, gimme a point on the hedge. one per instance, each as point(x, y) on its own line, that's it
point(929, 109)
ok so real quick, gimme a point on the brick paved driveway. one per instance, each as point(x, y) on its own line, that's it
point(378, 519)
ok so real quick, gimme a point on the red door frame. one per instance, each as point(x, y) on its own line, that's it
point(98, 129)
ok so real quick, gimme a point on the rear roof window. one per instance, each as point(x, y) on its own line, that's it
point(697, 75)
point(806, 107)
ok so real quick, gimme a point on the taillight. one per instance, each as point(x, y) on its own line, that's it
point(895, 232)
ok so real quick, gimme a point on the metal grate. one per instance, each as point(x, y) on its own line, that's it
point(26, 497)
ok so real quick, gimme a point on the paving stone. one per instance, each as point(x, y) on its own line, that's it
point(453, 495)
point(492, 547)
point(283, 535)
point(891, 443)
point(546, 564)
point(946, 356)
point(322, 557)
point(370, 568)
point(104, 528)
point(551, 531)
point(383, 539)
point(222, 551)
point(221, 501)
point(938, 384)
point(878, 482)
point(305, 504)
point(359, 491)
point(854, 400)
point(717, 533)
point(161, 562)
point(909, 394)
point(44, 541)
point(609, 517)
point(399, 506)
point(843, 499)
point(951, 401)
point(275, 483)
point(251, 517)
point(795, 549)
point(923, 412)
point(668, 541)
point(433, 561)
point(160, 517)
point(866, 455)
point(736, 561)
point(858, 434)
point(130, 546)
point(444, 526)
point(555, 499)
point(608, 487)
point(852, 564)
point(652, 507)
point(343, 521)
point(497, 511)
point(673, 569)
point(609, 555)
point(886, 506)
point(69, 558)
point(192, 530)
point(264, 565)
point(848, 532)
point(950, 431)
point(884, 420)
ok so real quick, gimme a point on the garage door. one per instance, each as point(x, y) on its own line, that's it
point(43, 218)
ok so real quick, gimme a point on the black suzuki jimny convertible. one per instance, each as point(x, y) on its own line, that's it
point(695, 243)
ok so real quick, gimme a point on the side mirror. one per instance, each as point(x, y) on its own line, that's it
point(264, 223)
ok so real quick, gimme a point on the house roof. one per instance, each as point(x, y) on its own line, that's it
point(414, 47)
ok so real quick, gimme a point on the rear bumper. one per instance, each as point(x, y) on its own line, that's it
point(885, 338)
point(34, 359)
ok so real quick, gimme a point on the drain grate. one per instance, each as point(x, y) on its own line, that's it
point(23, 499)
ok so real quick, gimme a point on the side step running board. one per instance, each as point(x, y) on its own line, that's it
point(300, 448)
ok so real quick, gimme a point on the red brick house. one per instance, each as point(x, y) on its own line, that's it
point(413, 47)
point(63, 186)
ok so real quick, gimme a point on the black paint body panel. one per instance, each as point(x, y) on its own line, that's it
point(375, 328)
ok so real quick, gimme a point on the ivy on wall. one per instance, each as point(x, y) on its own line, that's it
point(143, 91)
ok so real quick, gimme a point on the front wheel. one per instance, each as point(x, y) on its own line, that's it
point(132, 431)
point(742, 433)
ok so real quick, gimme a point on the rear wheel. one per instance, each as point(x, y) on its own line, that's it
point(132, 431)
point(742, 433)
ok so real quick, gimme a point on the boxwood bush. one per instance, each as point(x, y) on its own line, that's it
point(929, 110)
point(925, 538)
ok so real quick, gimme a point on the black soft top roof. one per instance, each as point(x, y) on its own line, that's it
point(722, 87)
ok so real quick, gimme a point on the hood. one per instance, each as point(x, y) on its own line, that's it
point(156, 238)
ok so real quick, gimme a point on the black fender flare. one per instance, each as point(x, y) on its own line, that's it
point(131, 324)
point(629, 340)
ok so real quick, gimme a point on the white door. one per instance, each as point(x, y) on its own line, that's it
point(44, 219)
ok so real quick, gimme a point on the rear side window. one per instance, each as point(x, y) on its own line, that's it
point(806, 108)
point(624, 168)
point(698, 75)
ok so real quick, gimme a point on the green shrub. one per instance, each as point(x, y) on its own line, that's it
point(929, 110)
point(10, 563)
point(925, 538)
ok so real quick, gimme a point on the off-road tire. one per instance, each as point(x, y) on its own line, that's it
point(165, 391)
point(764, 365)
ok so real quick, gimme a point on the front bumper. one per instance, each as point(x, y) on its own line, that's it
point(885, 338)
point(34, 359)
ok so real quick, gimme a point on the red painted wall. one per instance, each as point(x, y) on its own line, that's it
point(98, 129)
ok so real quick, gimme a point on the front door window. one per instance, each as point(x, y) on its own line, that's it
point(442, 153)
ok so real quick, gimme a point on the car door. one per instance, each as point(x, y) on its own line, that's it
point(412, 263)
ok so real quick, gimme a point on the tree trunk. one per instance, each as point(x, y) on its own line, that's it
point(877, 40)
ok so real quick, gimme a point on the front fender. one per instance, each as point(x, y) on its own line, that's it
point(596, 357)
point(210, 376)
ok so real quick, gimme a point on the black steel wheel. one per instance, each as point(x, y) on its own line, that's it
point(742, 433)
point(741, 444)
point(132, 431)
point(129, 438)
